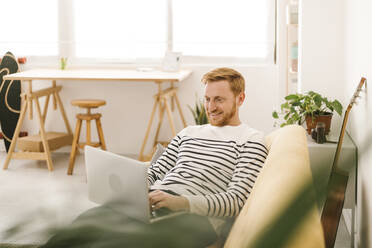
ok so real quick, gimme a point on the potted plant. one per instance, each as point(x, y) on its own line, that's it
point(200, 116)
point(310, 107)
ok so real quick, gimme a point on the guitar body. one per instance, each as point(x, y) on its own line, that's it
point(332, 210)
point(10, 101)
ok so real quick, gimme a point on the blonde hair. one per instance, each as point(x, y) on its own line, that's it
point(235, 79)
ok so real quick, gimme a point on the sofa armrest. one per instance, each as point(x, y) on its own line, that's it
point(286, 171)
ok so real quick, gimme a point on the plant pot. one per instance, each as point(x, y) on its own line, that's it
point(311, 122)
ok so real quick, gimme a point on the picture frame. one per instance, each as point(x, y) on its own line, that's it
point(172, 61)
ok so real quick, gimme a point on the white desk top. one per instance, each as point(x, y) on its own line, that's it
point(99, 74)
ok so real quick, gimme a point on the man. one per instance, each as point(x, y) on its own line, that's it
point(211, 168)
point(208, 171)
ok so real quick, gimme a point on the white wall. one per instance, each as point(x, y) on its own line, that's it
point(336, 49)
point(359, 63)
point(321, 50)
point(129, 106)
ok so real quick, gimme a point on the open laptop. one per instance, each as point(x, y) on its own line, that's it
point(120, 183)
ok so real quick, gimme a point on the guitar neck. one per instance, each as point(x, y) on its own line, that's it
point(343, 129)
point(339, 143)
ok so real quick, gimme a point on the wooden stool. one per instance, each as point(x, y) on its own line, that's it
point(88, 104)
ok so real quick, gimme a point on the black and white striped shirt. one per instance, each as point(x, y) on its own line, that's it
point(215, 168)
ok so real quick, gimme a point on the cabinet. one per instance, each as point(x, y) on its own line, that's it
point(292, 46)
point(321, 160)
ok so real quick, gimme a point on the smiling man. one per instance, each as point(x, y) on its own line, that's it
point(210, 170)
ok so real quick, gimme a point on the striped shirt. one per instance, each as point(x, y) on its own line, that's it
point(215, 168)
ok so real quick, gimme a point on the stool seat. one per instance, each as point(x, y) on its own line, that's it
point(87, 117)
point(88, 103)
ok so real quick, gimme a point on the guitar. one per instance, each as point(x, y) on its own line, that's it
point(10, 102)
point(337, 183)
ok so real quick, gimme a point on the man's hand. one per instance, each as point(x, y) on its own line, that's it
point(160, 199)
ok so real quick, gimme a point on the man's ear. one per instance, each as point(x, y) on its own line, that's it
point(240, 98)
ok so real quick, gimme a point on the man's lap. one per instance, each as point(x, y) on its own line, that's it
point(104, 227)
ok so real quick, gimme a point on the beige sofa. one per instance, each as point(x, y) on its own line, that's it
point(286, 170)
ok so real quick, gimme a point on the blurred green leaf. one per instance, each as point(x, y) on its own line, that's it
point(318, 101)
point(337, 106)
point(291, 97)
point(198, 112)
point(283, 227)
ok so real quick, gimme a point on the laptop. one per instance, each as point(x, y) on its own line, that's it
point(120, 183)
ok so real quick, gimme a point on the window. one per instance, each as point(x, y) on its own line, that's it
point(28, 29)
point(228, 28)
point(140, 30)
point(120, 29)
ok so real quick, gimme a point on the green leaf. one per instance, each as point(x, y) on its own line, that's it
point(198, 112)
point(337, 106)
point(318, 100)
point(192, 111)
point(197, 109)
point(311, 93)
point(275, 115)
point(284, 105)
point(284, 226)
point(291, 97)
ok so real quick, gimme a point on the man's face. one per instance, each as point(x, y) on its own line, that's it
point(221, 105)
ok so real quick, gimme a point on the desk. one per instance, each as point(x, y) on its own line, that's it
point(62, 139)
point(321, 159)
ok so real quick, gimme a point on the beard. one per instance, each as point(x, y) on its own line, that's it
point(224, 119)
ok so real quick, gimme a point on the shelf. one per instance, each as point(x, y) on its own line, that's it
point(55, 140)
point(292, 28)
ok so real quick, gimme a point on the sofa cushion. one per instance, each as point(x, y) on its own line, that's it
point(286, 170)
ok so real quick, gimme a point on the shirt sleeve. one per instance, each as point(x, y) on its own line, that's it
point(252, 156)
point(165, 163)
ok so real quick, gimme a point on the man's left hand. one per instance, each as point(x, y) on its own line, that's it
point(160, 199)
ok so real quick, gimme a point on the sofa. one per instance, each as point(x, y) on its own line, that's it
point(285, 173)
